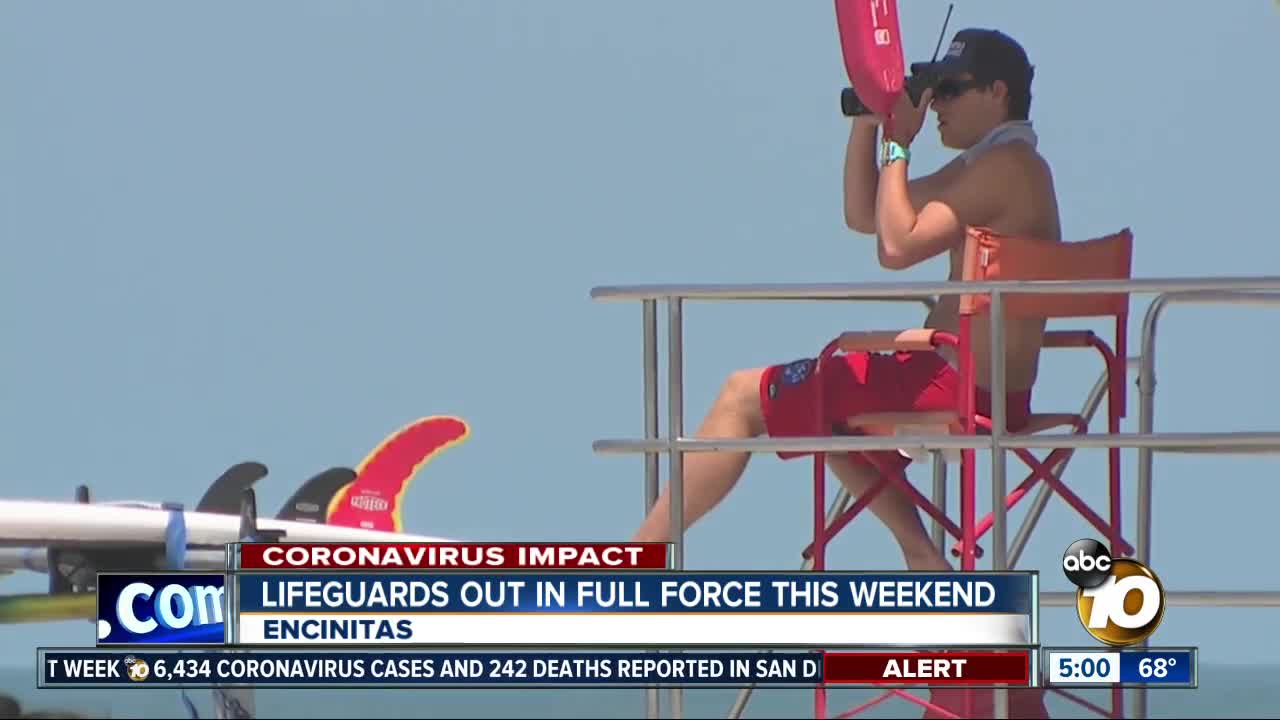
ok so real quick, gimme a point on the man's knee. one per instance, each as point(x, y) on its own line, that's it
point(740, 395)
point(742, 389)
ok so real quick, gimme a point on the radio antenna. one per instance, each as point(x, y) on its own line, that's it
point(942, 35)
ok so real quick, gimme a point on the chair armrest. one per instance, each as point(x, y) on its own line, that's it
point(911, 340)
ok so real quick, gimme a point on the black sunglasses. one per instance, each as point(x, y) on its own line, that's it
point(949, 88)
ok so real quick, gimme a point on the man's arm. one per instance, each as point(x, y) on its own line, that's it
point(862, 175)
point(906, 236)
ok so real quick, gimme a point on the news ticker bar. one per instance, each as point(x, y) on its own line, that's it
point(642, 609)
point(1127, 667)
point(189, 668)
point(1009, 667)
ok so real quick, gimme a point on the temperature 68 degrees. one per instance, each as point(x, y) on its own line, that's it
point(1155, 667)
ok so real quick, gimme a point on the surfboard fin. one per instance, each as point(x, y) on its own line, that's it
point(375, 499)
point(223, 494)
point(249, 530)
point(310, 504)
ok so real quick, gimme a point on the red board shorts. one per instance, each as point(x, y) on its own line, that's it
point(862, 382)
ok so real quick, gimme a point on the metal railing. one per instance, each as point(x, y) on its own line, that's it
point(1146, 418)
point(1234, 290)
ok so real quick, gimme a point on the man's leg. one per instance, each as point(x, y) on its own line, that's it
point(895, 509)
point(709, 476)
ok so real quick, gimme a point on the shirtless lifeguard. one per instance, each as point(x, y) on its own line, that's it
point(999, 181)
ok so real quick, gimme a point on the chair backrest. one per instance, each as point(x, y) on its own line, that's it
point(990, 256)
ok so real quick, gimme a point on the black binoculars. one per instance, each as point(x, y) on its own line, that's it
point(921, 78)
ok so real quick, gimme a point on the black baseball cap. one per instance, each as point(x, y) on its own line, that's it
point(988, 55)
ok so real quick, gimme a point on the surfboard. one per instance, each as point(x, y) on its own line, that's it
point(41, 523)
point(36, 559)
point(307, 505)
point(374, 501)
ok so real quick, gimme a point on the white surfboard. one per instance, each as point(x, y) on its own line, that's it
point(36, 559)
point(39, 523)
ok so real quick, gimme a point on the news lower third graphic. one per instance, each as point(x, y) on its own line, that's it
point(455, 556)
point(1119, 601)
point(1126, 667)
point(332, 668)
point(161, 609)
point(603, 623)
point(1080, 667)
point(609, 609)
point(384, 668)
point(636, 608)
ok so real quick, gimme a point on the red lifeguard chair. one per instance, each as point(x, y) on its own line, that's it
point(989, 257)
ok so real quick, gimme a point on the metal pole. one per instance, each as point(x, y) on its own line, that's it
point(999, 538)
point(1220, 443)
point(1146, 411)
point(653, 698)
point(675, 430)
point(940, 499)
point(675, 427)
point(650, 401)
point(915, 291)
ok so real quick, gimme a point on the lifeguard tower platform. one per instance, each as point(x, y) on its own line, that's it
point(1082, 280)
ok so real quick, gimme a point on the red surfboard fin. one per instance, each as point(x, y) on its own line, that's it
point(374, 500)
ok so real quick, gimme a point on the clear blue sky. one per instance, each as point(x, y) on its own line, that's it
point(278, 231)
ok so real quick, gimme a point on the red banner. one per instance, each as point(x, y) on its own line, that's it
point(957, 668)
point(412, 556)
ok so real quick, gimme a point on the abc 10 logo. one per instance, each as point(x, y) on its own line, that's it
point(1120, 601)
point(137, 669)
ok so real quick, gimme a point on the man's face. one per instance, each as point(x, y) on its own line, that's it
point(966, 111)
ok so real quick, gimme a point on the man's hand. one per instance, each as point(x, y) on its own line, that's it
point(907, 119)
